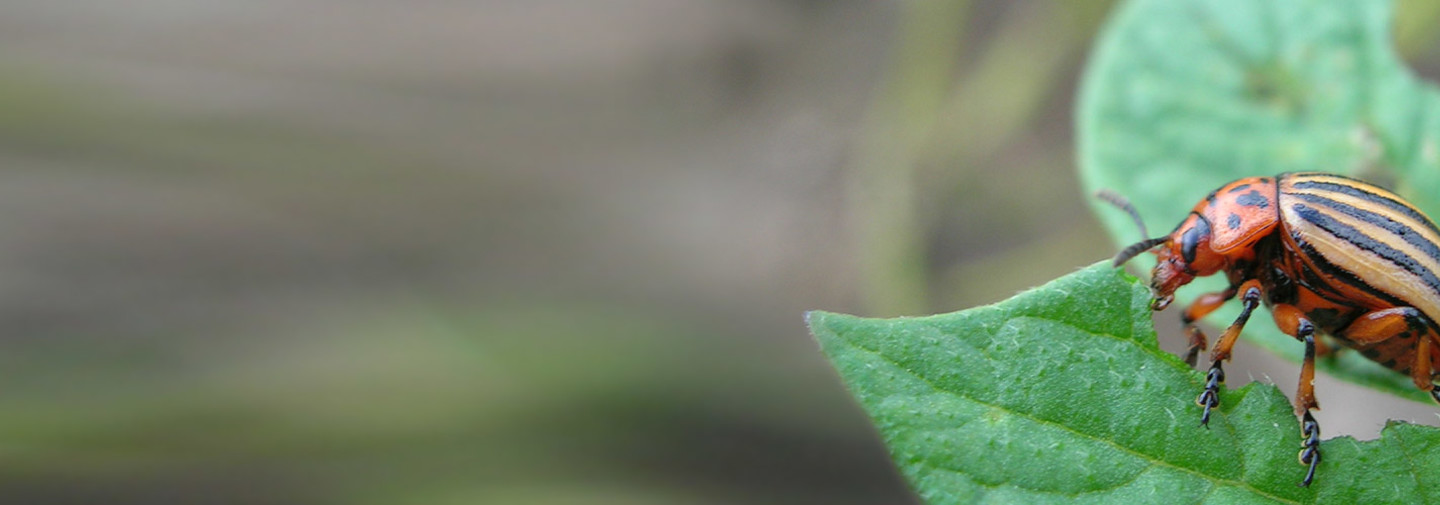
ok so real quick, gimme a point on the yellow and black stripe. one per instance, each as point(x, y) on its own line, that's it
point(1363, 243)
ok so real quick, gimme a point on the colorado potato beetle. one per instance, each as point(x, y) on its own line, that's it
point(1328, 255)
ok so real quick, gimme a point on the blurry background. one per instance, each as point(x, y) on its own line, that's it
point(516, 251)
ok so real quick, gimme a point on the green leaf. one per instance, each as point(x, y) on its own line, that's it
point(1182, 96)
point(1061, 394)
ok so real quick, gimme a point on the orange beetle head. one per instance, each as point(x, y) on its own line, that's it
point(1181, 256)
point(1243, 210)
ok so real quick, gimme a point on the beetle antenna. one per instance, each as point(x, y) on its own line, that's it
point(1137, 248)
point(1119, 201)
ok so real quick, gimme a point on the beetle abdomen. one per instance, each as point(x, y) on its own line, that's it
point(1373, 245)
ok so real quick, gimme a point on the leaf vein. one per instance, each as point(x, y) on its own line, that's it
point(1155, 460)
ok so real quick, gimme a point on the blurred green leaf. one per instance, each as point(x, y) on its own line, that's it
point(1183, 96)
point(1061, 394)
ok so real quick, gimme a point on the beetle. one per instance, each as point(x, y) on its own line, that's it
point(1328, 255)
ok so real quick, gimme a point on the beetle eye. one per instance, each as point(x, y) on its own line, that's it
point(1191, 239)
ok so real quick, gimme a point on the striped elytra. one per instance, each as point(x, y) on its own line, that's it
point(1385, 247)
point(1329, 255)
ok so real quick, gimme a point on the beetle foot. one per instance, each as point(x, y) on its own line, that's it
point(1210, 398)
point(1310, 452)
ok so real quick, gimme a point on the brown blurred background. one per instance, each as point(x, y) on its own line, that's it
point(516, 251)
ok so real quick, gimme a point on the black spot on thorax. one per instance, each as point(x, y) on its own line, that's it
point(1253, 199)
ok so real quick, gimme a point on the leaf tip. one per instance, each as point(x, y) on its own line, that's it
point(815, 321)
point(811, 317)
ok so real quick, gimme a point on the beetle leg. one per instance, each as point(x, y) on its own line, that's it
point(1305, 401)
point(1202, 307)
point(1420, 370)
point(1293, 322)
point(1305, 394)
point(1210, 398)
point(1310, 447)
point(1381, 325)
